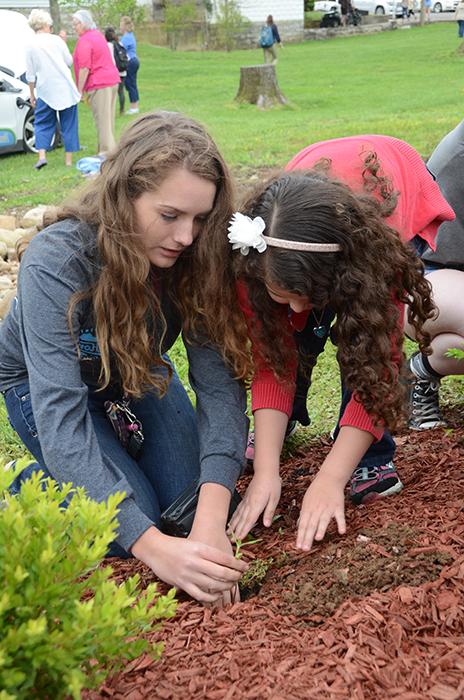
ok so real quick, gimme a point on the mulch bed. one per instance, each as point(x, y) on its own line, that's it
point(376, 614)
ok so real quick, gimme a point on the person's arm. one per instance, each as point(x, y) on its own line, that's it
point(271, 403)
point(276, 34)
point(65, 51)
point(263, 492)
point(32, 99)
point(83, 62)
point(223, 428)
point(30, 74)
point(82, 79)
point(59, 397)
point(325, 498)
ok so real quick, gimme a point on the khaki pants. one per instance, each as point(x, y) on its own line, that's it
point(270, 54)
point(103, 104)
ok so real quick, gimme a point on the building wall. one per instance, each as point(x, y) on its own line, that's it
point(24, 6)
point(281, 10)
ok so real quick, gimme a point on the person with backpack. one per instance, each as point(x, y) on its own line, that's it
point(128, 41)
point(269, 36)
point(121, 60)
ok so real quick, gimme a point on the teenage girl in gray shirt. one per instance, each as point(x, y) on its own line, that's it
point(103, 293)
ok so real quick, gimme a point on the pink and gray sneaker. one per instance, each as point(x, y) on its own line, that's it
point(368, 484)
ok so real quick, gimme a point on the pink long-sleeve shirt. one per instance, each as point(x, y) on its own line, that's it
point(92, 52)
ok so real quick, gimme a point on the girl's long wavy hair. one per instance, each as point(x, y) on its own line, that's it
point(125, 303)
point(363, 284)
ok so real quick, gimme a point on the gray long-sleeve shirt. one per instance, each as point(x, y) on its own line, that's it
point(447, 165)
point(36, 346)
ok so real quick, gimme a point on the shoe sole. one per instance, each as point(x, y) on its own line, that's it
point(375, 496)
point(428, 426)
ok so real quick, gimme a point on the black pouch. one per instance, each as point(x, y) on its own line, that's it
point(127, 426)
point(177, 519)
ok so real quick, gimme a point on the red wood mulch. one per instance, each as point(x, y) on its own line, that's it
point(373, 615)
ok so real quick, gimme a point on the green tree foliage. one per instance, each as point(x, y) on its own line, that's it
point(178, 16)
point(229, 23)
point(107, 13)
point(64, 625)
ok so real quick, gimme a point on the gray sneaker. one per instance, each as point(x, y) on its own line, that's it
point(424, 407)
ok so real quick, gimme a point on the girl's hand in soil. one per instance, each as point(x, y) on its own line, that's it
point(262, 496)
point(217, 538)
point(202, 571)
point(324, 500)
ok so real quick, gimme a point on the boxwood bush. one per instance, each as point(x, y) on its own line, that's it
point(64, 625)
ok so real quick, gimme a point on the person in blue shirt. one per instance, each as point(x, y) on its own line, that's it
point(128, 40)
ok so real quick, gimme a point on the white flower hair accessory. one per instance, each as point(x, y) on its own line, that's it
point(245, 233)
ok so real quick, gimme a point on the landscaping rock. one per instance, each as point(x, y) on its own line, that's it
point(9, 237)
point(7, 222)
point(34, 217)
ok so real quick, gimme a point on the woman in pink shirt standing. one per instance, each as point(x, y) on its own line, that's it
point(97, 76)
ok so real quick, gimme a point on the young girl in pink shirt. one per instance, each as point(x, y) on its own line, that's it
point(326, 254)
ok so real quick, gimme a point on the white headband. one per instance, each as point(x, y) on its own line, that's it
point(245, 233)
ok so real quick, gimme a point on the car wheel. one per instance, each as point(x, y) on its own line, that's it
point(379, 10)
point(437, 7)
point(29, 133)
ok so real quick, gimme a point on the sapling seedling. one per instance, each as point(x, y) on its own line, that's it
point(239, 544)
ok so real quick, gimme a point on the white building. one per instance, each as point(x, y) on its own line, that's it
point(288, 16)
point(281, 10)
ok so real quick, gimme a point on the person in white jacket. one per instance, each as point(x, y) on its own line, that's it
point(53, 92)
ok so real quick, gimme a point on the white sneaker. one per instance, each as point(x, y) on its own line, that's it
point(133, 110)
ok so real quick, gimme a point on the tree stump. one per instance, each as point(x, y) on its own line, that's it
point(258, 86)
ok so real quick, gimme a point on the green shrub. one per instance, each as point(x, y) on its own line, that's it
point(64, 626)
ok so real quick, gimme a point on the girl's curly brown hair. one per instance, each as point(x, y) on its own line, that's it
point(125, 303)
point(364, 283)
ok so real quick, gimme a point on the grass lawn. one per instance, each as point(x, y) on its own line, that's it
point(406, 83)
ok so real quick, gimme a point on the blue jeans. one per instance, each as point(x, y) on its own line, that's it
point(310, 347)
point(46, 121)
point(170, 460)
point(131, 79)
point(460, 28)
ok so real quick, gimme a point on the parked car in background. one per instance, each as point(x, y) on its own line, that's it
point(16, 114)
point(327, 6)
point(444, 5)
point(379, 7)
point(373, 7)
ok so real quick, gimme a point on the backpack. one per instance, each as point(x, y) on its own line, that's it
point(120, 57)
point(266, 37)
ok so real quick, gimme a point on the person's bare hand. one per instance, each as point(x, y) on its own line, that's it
point(217, 538)
point(203, 571)
point(324, 500)
point(262, 496)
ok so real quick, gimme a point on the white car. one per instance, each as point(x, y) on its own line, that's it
point(444, 5)
point(379, 7)
point(327, 6)
point(16, 113)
